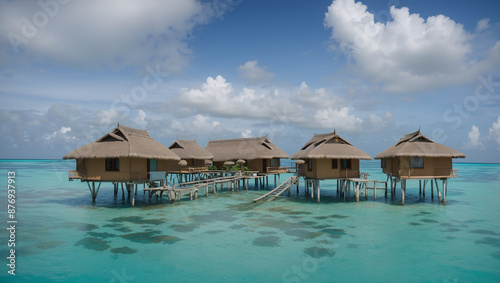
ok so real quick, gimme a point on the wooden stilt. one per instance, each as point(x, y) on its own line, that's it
point(437, 190)
point(432, 190)
point(403, 191)
point(419, 187)
point(317, 187)
point(445, 189)
point(425, 184)
point(356, 190)
point(348, 190)
point(312, 191)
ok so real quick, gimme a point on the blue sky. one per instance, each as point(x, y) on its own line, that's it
point(373, 70)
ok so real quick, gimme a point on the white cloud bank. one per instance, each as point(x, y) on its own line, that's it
point(253, 73)
point(104, 33)
point(409, 53)
point(494, 132)
point(300, 106)
point(474, 139)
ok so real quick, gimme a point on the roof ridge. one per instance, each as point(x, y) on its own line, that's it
point(240, 139)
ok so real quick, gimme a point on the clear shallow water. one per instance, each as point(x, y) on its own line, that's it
point(62, 236)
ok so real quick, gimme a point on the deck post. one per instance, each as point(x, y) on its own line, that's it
point(419, 187)
point(437, 190)
point(356, 190)
point(445, 190)
point(386, 189)
point(432, 190)
point(317, 187)
point(246, 184)
point(298, 181)
point(133, 194)
point(348, 190)
point(312, 191)
point(274, 180)
point(425, 184)
point(403, 191)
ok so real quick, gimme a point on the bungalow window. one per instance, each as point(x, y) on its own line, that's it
point(382, 163)
point(274, 163)
point(416, 162)
point(335, 163)
point(346, 164)
point(194, 162)
point(112, 164)
point(310, 165)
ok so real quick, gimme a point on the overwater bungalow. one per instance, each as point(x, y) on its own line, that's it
point(415, 156)
point(259, 154)
point(195, 160)
point(329, 156)
point(124, 155)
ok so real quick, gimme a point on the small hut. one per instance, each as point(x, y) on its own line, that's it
point(329, 156)
point(259, 153)
point(124, 155)
point(194, 155)
point(415, 156)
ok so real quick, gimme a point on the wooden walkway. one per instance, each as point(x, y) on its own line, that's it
point(279, 189)
point(192, 188)
point(364, 183)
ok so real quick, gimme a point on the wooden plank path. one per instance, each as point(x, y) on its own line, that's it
point(360, 183)
point(279, 189)
point(192, 188)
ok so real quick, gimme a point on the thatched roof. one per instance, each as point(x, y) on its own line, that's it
point(330, 146)
point(244, 148)
point(417, 145)
point(124, 142)
point(187, 149)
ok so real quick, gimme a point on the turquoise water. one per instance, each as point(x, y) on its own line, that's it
point(62, 236)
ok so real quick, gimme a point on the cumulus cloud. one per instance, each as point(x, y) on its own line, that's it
point(340, 119)
point(317, 98)
point(253, 73)
point(218, 97)
point(140, 119)
point(408, 53)
point(104, 33)
point(246, 133)
point(302, 106)
point(474, 139)
point(494, 132)
point(483, 24)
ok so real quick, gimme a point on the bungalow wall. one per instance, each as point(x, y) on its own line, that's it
point(259, 165)
point(433, 167)
point(130, 169)
point(173, 165)
point(322, 169)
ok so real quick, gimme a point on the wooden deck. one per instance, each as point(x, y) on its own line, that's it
point(279, 189)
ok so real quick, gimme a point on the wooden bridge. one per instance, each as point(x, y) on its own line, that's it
point(276, 192)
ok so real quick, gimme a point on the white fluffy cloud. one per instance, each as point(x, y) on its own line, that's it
point(103, 33)
point(483, 24)
point(253, 73)
point(494, 132)
point(219, 98)
point(140, 119)
point(340, 119)
point(474, 139)
point(302, 106)
point(317, 98)
point(408, 53)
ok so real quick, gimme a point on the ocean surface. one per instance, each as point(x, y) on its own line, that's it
point(62, 236)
